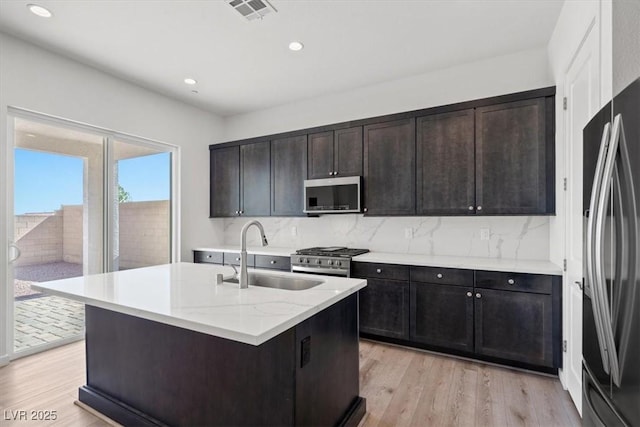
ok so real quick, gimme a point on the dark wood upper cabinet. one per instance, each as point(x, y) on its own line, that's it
point(335, 153)
point(320, 155)
point(224, 187)
point(390, 168)
point(348, 152)
point(445, 170)
point(288, 172)
point(512, 176)
point(255, 179)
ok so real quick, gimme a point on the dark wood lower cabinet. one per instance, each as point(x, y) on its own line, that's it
point(384, 308)
point(442, 315)
point(509, 318)
point(514, 326)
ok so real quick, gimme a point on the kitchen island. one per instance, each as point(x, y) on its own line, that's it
point(166, 345)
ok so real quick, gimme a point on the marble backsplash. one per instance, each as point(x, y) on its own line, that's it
point(514, 237)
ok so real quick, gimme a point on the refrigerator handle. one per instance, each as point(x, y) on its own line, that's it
point(600, 282)
point(590, 246)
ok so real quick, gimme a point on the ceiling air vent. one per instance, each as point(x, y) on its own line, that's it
point(252, 9)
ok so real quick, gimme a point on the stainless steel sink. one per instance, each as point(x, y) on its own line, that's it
point(279, 282)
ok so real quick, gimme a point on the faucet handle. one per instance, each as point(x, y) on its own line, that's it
point(235, 271)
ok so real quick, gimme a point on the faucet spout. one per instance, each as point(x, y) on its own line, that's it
point(244, 275)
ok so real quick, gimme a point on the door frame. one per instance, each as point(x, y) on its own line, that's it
point(6, 212)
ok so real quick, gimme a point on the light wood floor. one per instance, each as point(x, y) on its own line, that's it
point(402, 387)
point(412, 388)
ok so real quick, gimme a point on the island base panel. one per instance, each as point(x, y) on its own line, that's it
point(141, 372)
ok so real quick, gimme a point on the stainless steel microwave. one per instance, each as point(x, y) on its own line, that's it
point(333, 195)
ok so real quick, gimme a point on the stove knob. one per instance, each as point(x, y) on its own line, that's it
point(306, 260)
point(338, 263)
point(318, 262)
point(330, 262)
point(300, 260)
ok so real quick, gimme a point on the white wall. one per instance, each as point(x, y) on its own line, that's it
point(496, 76)
point(511, 237)
point(38, 80)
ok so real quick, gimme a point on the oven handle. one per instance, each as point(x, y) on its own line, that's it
point(332, 271)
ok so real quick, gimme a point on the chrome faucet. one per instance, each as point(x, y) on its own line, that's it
point(244, 276)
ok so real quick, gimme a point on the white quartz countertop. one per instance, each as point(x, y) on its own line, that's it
point(471, 263)
point(186, 295)
point(257, 250)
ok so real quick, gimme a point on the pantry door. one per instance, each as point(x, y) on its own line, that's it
point(582, 94)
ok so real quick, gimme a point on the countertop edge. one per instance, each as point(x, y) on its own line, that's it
point(210, 329)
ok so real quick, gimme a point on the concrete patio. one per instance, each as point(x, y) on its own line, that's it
point(39, 318)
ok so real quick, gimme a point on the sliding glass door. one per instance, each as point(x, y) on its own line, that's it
point(84, 201)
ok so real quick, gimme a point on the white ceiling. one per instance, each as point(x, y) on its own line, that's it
point(243, 66)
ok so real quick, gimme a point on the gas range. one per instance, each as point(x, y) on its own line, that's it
point(330, 261)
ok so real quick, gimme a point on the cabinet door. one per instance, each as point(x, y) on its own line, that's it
point(255, 179)
point(384, 308)
point(320, 155)
point(511, 158)
point(225, 182)
point(348, 152)
point(442, 315)
point(514, 326)
point(390, 168)
point(445, 170)
point(288, 172)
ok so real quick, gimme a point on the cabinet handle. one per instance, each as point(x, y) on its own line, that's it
point(511, 281)
point(272, 261)
point(365, 209)
point(479, 208)
point(439, 275)
point(335, 173)
point(470, 208)
point(241, 212)
point(379, 270)
point(469, 294)
point(208, 256)
point(331, 173)
point(478, 295)
point(237, 259)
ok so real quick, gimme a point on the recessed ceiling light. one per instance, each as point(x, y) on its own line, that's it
point(190, 81)
point(295, 46)
point(40, 11)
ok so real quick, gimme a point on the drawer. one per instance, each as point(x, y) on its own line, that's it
point(364, 270)
point(208, 257)
point(233, 258)
point(445, 276)
point(534, 283)
point(273, 262)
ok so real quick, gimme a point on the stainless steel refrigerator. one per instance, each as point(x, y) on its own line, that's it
point(611, 301)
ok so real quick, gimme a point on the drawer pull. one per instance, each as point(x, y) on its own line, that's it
point(478, 295)
point(439, 275)
point(273, 261)
point(379, 270)
point(469, 294)
point(208, 256)
point(511, 282)
point(237, 259)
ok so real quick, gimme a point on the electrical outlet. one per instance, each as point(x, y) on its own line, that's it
point(294, 231)
point(408, 233)
point(485, 234)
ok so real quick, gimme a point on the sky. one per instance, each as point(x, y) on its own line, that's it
point(44, 181)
